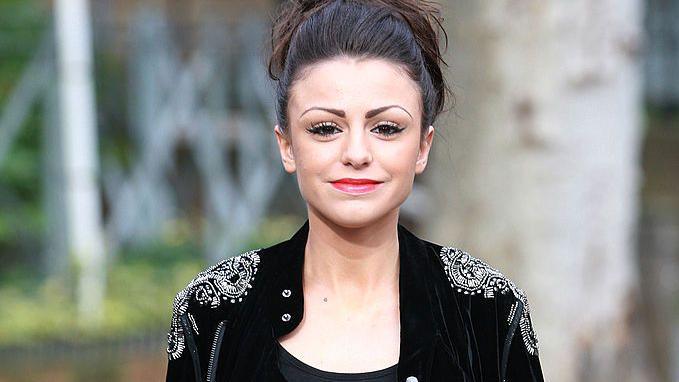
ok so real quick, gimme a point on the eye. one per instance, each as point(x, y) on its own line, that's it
point(388, 128)
point(323, 129)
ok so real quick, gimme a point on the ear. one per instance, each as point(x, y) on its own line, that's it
point(285, 148)
point(425, 147)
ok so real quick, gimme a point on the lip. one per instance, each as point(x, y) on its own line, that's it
point(356, 181)
point(356, 186)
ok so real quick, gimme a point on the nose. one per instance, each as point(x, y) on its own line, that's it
point(357, 148)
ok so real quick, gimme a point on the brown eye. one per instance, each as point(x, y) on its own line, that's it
point(388, 128)
point(323, 129)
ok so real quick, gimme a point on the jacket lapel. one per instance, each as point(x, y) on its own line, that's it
point(418, 327)
point(284, 295)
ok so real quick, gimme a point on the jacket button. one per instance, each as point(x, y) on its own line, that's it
point(411, 379)
point(285, 317)
point(286, 293)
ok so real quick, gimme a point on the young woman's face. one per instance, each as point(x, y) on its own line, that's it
point(354, 119)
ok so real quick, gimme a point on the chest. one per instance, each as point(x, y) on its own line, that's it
point(333, 338)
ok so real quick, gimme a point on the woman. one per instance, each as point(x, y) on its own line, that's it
point(353, 295)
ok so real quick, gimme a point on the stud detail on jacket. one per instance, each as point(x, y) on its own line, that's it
point(470, 275)
point(228, 280)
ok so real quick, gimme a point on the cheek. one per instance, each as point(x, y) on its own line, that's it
point(312, 158)
point(399, 160)
point(314, 164)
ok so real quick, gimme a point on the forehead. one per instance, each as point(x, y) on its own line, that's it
point(344, 81)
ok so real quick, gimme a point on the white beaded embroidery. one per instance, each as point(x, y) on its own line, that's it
point(227, 280)
point(470, 275)
point(193, 323)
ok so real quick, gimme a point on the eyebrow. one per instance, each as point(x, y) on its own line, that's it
point(369, 114)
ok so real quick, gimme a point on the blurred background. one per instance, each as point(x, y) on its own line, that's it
point(137, 148)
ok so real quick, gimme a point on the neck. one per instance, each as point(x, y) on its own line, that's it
point(353, 266)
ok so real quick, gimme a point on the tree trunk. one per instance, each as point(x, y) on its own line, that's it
point(539, 170)
point(78, 136)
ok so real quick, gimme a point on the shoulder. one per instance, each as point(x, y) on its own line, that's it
point(224, 283)
point(227, 281)
point(469, 275)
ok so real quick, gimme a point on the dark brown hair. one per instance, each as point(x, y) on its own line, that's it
point(405, 32)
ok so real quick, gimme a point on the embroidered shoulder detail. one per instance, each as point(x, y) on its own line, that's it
point(470, 275)
point(228, 280)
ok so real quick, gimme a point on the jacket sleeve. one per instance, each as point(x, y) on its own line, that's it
point(521, 361)
point(201, 317)
point(189, 339)
point(184, 354)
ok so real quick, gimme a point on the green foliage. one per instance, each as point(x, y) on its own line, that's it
point(141, 285)
point(22, 217)
point(140, 290)
point(22, 24)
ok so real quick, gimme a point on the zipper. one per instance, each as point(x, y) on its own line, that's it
point(191, 343)
point(508, 339)
point(214, 353)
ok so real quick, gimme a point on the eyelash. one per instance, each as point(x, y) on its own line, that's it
point(318, 128)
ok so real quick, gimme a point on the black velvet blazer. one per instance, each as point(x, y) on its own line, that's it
point(461, 320)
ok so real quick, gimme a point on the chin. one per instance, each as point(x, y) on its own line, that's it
point(355, 216)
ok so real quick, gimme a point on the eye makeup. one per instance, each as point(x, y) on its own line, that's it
point(323, 128)
point(384, 128)
point(391, 128)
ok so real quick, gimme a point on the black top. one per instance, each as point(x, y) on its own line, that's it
point(460, 318)
point(294, 370)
